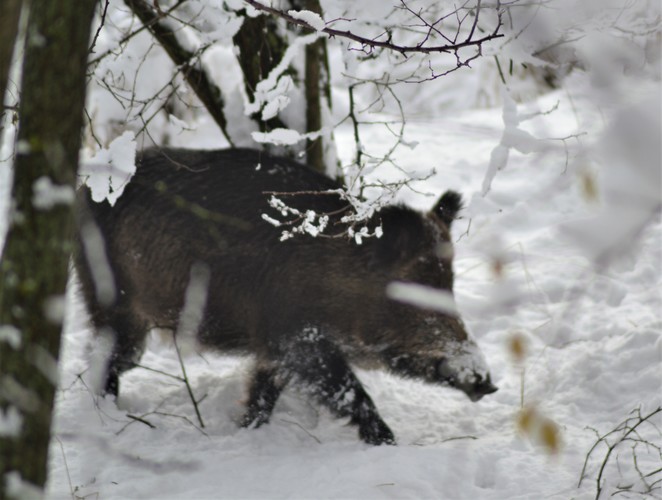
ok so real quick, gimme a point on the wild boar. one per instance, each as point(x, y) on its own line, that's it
point(306, 308)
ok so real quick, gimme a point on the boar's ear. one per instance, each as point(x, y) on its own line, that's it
point(448, 206)
point(404, 233)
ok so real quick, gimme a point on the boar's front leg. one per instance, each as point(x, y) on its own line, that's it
point(318, 363)
point(263, 393)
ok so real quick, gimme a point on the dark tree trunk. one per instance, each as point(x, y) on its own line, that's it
point(261, 47)
point(316, 81)
point(33, 270)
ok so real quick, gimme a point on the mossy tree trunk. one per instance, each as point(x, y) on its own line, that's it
point(34, 265)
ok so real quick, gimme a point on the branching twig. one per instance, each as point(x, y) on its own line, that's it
point(624, 432)
point(128, 37)
point(101, 24)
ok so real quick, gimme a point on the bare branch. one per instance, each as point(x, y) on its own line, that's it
point(369, 44)
point(128, 37)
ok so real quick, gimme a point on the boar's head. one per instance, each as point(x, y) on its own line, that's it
point(426, 338)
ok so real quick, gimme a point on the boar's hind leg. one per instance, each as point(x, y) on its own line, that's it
point(264, 390)
point(128, 345)
point(318, 363)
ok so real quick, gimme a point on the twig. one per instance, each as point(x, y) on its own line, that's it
point(182, 417)
point(66, 467)
point(101, 24)
point(457, 438)
point(141, 420)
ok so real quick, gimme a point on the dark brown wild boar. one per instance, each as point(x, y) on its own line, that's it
point(306, 308)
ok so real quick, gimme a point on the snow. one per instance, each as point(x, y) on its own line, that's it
point(279, 137)
point(110, 170)
point(312, 19)
point(307, 223)
point(277, 83)
point(19, 488)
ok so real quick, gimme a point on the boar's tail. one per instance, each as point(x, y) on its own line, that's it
point(448, 206)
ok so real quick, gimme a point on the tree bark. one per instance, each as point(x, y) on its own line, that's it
point(34, 265)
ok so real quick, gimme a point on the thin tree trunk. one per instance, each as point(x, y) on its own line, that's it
point(316, 79)
point(33, 270)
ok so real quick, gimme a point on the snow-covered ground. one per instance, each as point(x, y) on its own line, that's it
point(593, 348)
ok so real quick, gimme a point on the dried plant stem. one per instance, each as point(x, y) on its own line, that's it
point(187, 384)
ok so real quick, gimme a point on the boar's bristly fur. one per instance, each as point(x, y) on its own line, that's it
point(306, 308)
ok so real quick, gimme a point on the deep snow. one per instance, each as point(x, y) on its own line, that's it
point(593, 355)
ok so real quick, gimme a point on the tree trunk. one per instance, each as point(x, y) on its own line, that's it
point(10, 11)
point(316, 80)
point(33, 270)
point(261, 48)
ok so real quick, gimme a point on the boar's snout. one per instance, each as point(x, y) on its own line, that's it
point(480, 389)
point(474, 384)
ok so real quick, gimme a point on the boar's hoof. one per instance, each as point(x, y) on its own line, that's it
point(376, 432)
point(254, 419)
point(112, 384)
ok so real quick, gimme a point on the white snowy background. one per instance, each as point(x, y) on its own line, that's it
point(559, 249)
